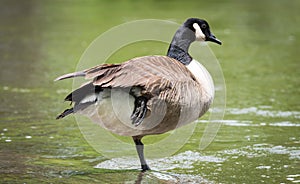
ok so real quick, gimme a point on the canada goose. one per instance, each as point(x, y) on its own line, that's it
point(163, 92)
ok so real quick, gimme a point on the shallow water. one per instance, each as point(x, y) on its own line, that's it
point(258, 141)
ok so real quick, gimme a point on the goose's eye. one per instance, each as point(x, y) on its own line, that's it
point(203, 26)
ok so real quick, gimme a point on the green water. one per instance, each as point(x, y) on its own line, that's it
point(259, 141)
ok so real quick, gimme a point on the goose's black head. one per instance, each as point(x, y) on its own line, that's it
point(201, 30)
point(193, 29)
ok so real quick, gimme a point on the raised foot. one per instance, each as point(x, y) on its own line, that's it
point(145, 168)
point(140, 110)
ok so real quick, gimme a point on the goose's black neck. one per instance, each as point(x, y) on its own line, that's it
point(180, 45)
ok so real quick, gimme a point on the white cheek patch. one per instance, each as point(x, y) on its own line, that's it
point(198, 33)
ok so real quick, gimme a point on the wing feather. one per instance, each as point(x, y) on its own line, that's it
point(153, 73)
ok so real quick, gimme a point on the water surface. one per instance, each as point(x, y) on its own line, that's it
point(259, 140)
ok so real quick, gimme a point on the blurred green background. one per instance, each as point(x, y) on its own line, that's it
point(40, 40)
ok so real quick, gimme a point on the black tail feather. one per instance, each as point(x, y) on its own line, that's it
point(80, 93)
point(76, 108)
point(65, 113)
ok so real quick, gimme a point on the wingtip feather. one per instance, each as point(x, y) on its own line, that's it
point(70, 75)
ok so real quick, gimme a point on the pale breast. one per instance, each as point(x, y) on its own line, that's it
point(204, 79)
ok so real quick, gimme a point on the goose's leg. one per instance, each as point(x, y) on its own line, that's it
point(140, 150)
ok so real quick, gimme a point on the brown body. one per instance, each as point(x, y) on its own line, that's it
point(175, 95)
